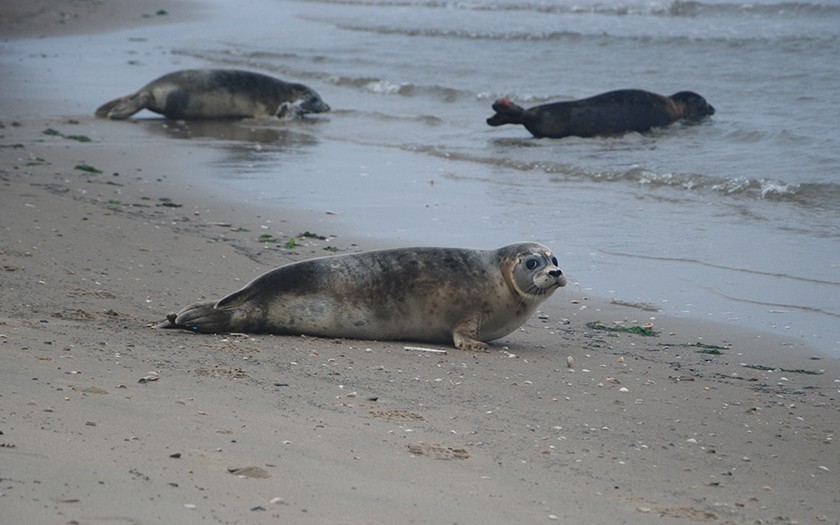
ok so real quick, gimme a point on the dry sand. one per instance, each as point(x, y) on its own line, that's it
point(106, 420)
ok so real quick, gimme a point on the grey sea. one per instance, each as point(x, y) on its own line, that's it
point(735, 220)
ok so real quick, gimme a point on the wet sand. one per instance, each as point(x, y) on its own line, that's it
point(107, 420)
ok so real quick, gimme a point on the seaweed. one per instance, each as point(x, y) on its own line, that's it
point(293, 241)
point(788, 370)
point(704, 348)
point(88, 168)
point(55, 133)
point(638, 330)
point(79, 138)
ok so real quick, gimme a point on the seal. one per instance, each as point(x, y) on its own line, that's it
point(433, 295)
point(216, 94)
point(611, 113)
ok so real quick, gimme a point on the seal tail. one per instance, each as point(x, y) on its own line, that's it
point(123, 107)
point(200, 317)
point(506, 113)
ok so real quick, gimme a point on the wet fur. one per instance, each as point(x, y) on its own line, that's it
point(611, 113)
point(216, 93)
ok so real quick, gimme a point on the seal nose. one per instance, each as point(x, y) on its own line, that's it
point(556, 273)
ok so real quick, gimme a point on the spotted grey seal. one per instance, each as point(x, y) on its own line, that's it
point(422, 294)
point(217, 93)
point(609, 113)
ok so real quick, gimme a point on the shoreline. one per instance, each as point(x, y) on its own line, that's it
point(252, 429)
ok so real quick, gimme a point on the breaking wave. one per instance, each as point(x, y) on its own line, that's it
point(679, 8)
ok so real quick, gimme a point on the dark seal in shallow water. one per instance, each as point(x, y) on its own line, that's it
point(422, 294)
point(217, 93)
point(611, 113)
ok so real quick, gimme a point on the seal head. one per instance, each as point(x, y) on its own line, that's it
point(692, 106)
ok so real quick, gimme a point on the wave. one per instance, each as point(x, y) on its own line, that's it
point(463, 33)
point(825, 196)
point(817, 195)
point(792, 41)
point(679, 8)
point(780, 306)
point(781, 9)
point(774, 275)
point(382, 86)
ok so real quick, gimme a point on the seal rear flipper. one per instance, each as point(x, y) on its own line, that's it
point(123, 107)
point(506, 113)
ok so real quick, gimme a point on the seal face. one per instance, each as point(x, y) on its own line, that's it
point(217, 93)
point(435, 295)
point(611, 113)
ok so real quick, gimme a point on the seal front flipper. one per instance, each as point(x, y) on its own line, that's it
point(506, 113)
point(465, 336)
point(123, 107)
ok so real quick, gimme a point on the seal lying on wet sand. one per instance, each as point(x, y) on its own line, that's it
point(609, 113)
point(422, 294)
point(217, 93)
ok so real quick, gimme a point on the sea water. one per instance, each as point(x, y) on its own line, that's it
point(736, 219)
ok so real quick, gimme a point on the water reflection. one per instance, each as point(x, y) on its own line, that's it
point(281, 135)
point(248, 146)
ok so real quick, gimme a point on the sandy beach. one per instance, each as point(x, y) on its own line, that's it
point(104, 419)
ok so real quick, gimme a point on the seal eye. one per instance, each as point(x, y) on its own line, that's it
point(531, 264)
point(554, 261)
